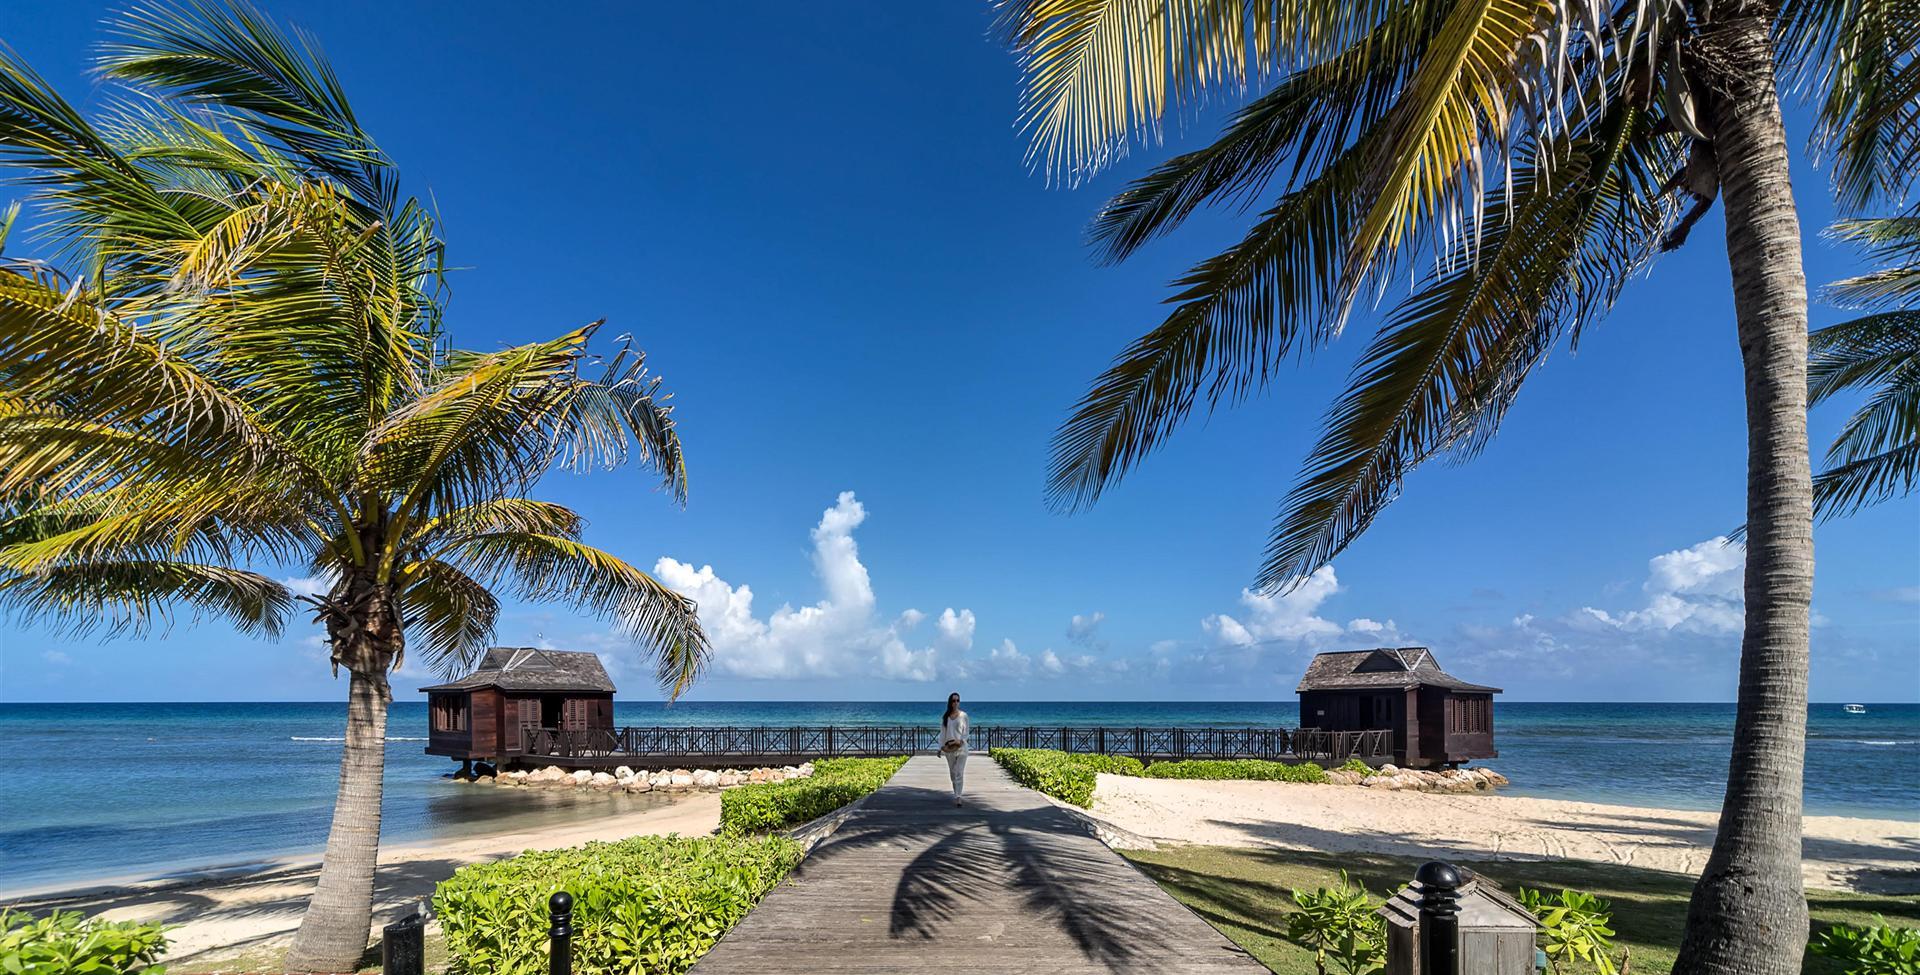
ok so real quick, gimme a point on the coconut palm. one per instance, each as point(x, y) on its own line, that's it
point(1877, 454)
point(1519, 159)
point(249, 370)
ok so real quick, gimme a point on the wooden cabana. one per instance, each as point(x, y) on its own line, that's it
point(489, 714)
point(1436, 718)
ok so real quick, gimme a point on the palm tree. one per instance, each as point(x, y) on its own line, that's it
point(250, 370)
point(1522, 160)
point(1877, 454)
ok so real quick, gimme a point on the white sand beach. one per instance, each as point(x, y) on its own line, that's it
point(1840, 853)
point(248, 912)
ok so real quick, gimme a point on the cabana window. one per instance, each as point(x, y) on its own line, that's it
point(449, 712)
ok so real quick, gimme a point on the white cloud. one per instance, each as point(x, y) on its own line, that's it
point(1293, 616)
point(838, 636)
point(956, 630)
point(56, 658)
point(1084, 630)
point(1006, 662)
point(1692, 590)
point(313, 585)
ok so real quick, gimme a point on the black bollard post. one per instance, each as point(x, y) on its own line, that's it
point(560, 938)
point(403, 946)
point(1439, 918)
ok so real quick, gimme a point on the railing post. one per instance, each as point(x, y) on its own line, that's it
point(1439, 918)
point(560, 936)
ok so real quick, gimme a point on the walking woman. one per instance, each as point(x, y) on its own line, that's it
point(953, 743)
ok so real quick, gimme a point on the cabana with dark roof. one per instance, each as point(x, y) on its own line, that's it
point(1436, 718)
point(488, 714)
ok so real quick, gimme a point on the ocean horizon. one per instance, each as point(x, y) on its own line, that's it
point(122, 791)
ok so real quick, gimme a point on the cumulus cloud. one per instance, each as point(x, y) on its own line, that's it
point(956, 630)
point(1693, 590)
point(1293, 616)
point(1084, 630)
point(838, 636)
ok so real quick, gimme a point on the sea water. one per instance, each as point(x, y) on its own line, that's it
point(97, 791)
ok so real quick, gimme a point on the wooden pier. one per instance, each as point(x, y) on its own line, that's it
point(1007, 883)
point(666, 747)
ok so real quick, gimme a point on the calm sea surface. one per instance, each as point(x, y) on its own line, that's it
point(115, 790)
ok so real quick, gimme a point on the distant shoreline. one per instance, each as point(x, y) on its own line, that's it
point(255, 904)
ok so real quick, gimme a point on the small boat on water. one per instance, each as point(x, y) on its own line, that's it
point(1854, 708)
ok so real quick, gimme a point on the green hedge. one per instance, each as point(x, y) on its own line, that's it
point(773, 805)
point(1069, 778)
point(1246, 768)
point(646, 904)
point(68, 941)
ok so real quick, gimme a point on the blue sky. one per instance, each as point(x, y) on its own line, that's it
point(820, 226)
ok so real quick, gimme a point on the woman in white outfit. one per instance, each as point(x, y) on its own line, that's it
point(953, 743)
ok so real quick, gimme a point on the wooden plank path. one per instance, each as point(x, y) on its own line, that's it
point(1007, 883)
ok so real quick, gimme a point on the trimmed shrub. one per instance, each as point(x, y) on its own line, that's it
point(1244, 768)
point(1111, 764)
point(646, 904)
point(772, 805)
point(68, 941)
point(1069, 778)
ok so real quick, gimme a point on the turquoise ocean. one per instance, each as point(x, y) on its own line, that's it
point(117, 791)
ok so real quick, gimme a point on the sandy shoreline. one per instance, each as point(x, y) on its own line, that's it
point(1840, 853)
point(232, 911)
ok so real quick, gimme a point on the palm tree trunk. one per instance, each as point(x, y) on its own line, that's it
point(333, 934)
point(1749, 911)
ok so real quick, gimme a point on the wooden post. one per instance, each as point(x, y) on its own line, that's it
point(1439, 918)
point(560, 935)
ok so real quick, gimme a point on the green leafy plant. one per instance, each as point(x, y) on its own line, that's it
point(1360, 766)
point(1879, 949)
point(1110, 764)
point(1069, 778)
point(1577, 928)
point(835, 782)
point(70, 943)
point(650, 904)
point(1244, 768)
point(1340, 925)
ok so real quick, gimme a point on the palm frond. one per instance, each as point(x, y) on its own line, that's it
point(135, 597)
point(495, 423)
point(1846, 488)
point(1862, 352)
point(451, 616)
point(1442, 370)
point(495, 515)
point(1857, 59)
point(1894, 241)
point(1309, 118)
point(1237, 318)
point(1097, 71)
point(1451, 129)
point(231, 56)
point(63, 351)
point(552, 568)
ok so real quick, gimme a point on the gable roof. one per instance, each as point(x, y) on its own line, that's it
point(1385, 668)
point(533, 669)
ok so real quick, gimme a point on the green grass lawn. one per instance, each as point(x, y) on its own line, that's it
point(1245, 893)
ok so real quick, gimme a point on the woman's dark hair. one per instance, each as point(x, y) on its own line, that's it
point(953, 704)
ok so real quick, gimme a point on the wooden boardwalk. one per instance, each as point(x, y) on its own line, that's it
point(1007, 883)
